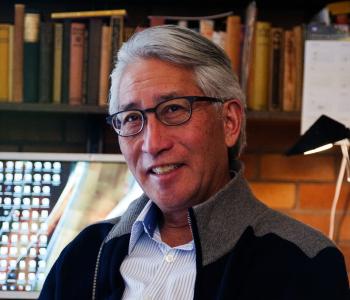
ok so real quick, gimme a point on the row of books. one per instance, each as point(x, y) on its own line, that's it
point(67, 59)
point(268, 59)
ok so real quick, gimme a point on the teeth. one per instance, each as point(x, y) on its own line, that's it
point(164, 169)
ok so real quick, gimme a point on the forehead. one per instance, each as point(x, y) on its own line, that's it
point(148, 81)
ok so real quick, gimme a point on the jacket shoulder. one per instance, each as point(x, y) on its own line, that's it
point(307, 239)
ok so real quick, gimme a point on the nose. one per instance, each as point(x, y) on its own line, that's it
point(155, 137)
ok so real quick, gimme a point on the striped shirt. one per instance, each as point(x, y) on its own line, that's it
point(153, 269)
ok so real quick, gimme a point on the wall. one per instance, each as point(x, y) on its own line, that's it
point(300, 186)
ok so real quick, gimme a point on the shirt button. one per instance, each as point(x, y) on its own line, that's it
point(169, 258)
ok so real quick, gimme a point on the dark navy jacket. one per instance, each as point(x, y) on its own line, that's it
point(244, 250)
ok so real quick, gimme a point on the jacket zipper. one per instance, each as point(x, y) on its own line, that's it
point(94, 284)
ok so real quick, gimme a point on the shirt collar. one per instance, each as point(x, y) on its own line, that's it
point(145, 222)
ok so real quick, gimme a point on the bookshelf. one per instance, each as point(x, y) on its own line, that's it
point(281, 14)
point(53, 108)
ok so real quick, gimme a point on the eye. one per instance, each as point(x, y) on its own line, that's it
point(128, 118)
point(172, 108)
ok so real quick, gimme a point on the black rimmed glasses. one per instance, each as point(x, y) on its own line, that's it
point(171, 112)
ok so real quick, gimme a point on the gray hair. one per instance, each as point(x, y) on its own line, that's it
point(184, 47)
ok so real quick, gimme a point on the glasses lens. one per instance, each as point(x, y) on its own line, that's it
point(174, 112)
point(128, 122)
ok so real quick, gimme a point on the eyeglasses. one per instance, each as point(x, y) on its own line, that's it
point(171, 112)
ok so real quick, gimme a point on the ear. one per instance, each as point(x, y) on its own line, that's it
point(232, 116)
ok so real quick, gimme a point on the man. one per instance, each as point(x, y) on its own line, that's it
point(198, 232)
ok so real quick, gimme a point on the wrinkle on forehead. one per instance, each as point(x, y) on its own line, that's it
point(143, 81)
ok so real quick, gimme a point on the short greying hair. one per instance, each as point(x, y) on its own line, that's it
point(183, 47)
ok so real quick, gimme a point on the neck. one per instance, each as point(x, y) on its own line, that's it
point(175, 230)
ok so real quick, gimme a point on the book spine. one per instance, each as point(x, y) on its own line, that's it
point(31, 57)
point(156, 20)
point(4, 61)
point(259, 89)
point(94, 60)
point(117, 26)
point(18, 44)
point(288, 102)
point(206, 28)
point(88, 14)
point(105, 67)
point(11, 41)
point(299, 62)
point(219, 38)
point(65, 61)
point(46, 62)
point(233, 41)
point(57, 64)
point(85, 65)
point(76, 63)
point(275, 82)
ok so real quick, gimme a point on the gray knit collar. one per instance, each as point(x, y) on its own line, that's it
point(221, 220)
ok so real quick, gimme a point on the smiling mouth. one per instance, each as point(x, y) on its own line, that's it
point(165, 169)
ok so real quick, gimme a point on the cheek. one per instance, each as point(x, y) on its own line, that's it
point(128, 152)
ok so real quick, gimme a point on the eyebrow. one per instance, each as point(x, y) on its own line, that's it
point(157, 99)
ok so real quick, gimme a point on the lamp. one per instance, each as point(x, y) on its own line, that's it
point(322, 135)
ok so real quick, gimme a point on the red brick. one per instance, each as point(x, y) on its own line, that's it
point(317, 221)
point(275, 195)
point(303, 167)
point(345, 249)
point(342, 228)
point(250, 166)
point(320, 195)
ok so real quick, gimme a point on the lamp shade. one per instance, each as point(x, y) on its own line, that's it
point(324, 131)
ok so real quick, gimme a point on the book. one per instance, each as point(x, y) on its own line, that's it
point(31, 57)
point(276, 69)
point(105, 65)
point(46, 62)
point(206, 28)
point(65, 61)
point(247, 49)
point(156, 20)
point(289, 91)
point(57, 63)
point(11, 58)
point(233, 41)
point(76, 63)
point(18, 43)
point(219, 38)
point(299, 62)
point(4, 61)
point(85, 65)
point(94, 60)
point(88, 14)
point(259, 85)
point(117, 27)
point(128, 32)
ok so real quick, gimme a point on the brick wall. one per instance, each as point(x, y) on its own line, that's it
point(300, 186)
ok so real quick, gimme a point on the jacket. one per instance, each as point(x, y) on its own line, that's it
point(244, 250)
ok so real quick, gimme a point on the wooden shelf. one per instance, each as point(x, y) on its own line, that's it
point(53, 108)
point(274, 116)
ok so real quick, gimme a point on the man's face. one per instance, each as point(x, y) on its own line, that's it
point(176, 166)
